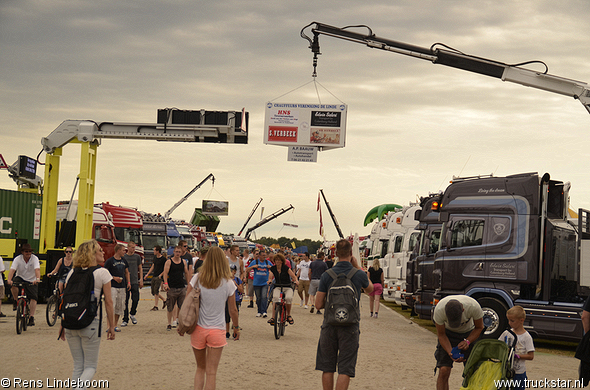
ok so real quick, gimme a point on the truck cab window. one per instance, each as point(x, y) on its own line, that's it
point(467, 233)
point(413, 240)
point(397, 246)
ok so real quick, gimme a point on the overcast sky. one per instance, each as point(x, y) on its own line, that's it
point(411, 125)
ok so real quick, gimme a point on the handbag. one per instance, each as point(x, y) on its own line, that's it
point(189, 311)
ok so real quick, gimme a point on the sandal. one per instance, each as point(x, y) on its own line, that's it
point(290, 320)
point(271, 321)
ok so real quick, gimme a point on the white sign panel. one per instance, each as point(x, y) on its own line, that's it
point(303, 154)
point(299, 124)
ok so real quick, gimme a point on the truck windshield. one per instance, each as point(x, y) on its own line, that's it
point(127, 235)
point(149, 242)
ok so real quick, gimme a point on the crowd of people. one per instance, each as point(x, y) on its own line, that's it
point(224, 277)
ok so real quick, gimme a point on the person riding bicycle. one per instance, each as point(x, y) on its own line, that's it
point(63, 267)
point(28, 271)
point(283, 276)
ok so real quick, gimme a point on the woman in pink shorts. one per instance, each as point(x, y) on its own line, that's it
point(375, 274)
point(208, 339)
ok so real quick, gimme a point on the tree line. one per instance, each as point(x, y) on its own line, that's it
point(312, 246)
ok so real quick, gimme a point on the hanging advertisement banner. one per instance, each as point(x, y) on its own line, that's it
point(300, 124)
point(215, 207)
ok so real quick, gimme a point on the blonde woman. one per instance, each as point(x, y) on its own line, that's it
point(217, 287)
point(375, 274)
point(85, 343)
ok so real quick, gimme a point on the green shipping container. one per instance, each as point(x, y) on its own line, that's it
point(20, 218)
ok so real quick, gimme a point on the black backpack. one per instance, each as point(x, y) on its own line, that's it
point(79, 306)
point(342, 305)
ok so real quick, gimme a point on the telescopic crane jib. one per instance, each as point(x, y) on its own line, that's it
point(332, 215)
point(181, 201)
point(267, 219)
point(172, 125)
point(444, 55)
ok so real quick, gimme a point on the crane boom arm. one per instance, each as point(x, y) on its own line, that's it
point(250, 216)
point(267, 219)
point(181, 201)
point(332, 215)
point(449, 57)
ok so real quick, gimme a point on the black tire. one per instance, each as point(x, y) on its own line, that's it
point(26, 315)
point(283, 323)
point(19, 317)
point(278, 312)
point(51, 311)
point(494, 317)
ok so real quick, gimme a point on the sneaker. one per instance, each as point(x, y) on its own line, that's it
point(117, 329)
point(258, 315)
point(311, 311)
point(227, 335)
point(163, 305)
point(301, 304)
point(375, 315)
point(251, 304)
point(14, 306)
point(371, 314)
point(264, 315)
point(133, 319)
point(318, 312)
point(169, 327)
point(174, 323)
point(124, 323)
point(31, 321)
point(2, 315)
point(305, 307)
point(154, 308)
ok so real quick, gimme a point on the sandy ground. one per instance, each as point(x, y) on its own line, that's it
point(394, 354)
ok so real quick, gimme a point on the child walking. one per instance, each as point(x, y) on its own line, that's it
point(525, 349)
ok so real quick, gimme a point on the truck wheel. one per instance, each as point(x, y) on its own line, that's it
point(494, 317)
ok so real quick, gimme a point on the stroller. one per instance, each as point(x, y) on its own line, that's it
point(489, 361)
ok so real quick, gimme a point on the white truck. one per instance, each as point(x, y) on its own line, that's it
point(401, 228)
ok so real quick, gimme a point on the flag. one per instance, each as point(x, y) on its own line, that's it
point(321, 223)
point(293, 244)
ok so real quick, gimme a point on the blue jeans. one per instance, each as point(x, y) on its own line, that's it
point(84, 345)
point(261, 297)
point(521, 378)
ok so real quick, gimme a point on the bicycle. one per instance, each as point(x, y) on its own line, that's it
point(280, 318)
point(22, 309)
point(52, 305)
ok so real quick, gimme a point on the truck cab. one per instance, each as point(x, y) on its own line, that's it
point(103, 229)
point(404, 237)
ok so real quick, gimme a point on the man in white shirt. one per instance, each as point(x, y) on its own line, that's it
point(27, 269)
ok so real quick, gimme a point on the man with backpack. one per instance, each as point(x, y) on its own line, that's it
point(339, 292)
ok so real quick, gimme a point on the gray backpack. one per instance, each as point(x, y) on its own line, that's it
point(342, 305)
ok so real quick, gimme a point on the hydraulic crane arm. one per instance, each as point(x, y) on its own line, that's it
point(332, 215)
point(267, 219)
point(181, 201)
point(88, 131)
point(453, 58)
point(250, 216)
point(173, 125)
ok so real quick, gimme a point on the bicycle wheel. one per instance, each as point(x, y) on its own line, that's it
point(19, 317)
point(283, 322)
point(26, 315)
point(278, 313)
point(51, 311)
